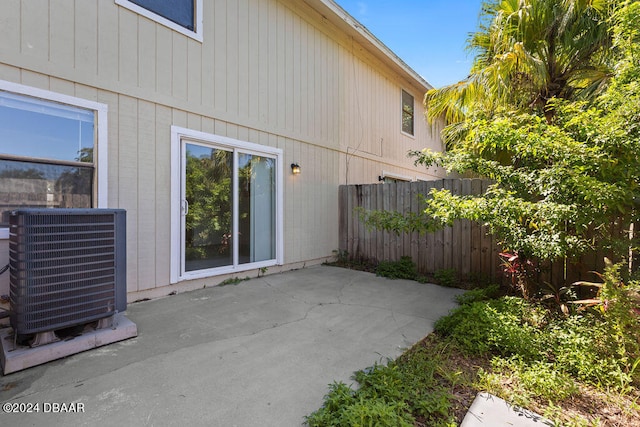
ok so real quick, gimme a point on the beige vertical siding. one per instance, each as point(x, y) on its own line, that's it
point(270, 72)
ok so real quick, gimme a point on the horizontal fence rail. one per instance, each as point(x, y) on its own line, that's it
point(465, 248)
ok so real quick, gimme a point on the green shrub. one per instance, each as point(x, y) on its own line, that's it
point(376, 412)
point(504, 326)
point(340, 396)
point(528, 380)
point(381, 382)
point(403, 269)
point(584, 347)
point(479, 294)
point(379, 401)
point(621, 322)
point(446, 277)
point(392, 394)
point(435, 405)
point(423, 279)
point(600, 346)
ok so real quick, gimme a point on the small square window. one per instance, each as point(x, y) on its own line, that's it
point(183, 16)
point(407, 113)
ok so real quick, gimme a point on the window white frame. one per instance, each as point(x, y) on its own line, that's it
point(180, 134)
point(413, 110)
point(102, 153)
point(196, 35)
point(396, 176)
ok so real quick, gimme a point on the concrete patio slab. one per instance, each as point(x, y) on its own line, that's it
point(259, 353)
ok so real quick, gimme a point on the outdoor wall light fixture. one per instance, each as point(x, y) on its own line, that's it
point(295, 169)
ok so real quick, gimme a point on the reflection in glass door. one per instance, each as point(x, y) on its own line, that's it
point(207, 207)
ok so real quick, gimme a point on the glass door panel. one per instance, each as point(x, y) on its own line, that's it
point(208, 191)
point(256, 208)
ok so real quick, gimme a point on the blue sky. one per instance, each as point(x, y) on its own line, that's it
point(429, 35)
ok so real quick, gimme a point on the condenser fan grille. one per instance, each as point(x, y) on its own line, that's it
point(67, 267)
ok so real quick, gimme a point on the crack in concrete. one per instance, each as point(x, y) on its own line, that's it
point(312, 306)
point(239, 336)
point(274, 288)
point(340, 296)
point(295, 298)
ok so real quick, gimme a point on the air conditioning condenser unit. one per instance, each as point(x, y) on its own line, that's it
point(67, 271)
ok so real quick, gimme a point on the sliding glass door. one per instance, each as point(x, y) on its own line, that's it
point(229, 206)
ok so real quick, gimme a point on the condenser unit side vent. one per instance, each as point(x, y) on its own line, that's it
point(67, 267)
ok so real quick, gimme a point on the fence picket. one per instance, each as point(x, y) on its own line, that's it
point(406, 191)
point(447, 235)
point(379, 233)
point(464, 253)
point(415, 237)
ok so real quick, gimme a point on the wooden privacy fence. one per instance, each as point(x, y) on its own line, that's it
point(466, 247)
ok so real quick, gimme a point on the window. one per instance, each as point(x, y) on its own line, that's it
point(390, 177)
point(48, 152)
point(407, 113)
point(226, 205)
point(184, 16)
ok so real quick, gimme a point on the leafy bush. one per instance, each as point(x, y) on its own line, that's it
point(578, 346)
point(403, 269)
point(602, 345)
point(446, 277)
point(479, 294)
point(504, 326)
point(392, 394)
point(378, 402)
point(376, 412)
point(599, 346)
point(339, 396)
point(527, 380)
